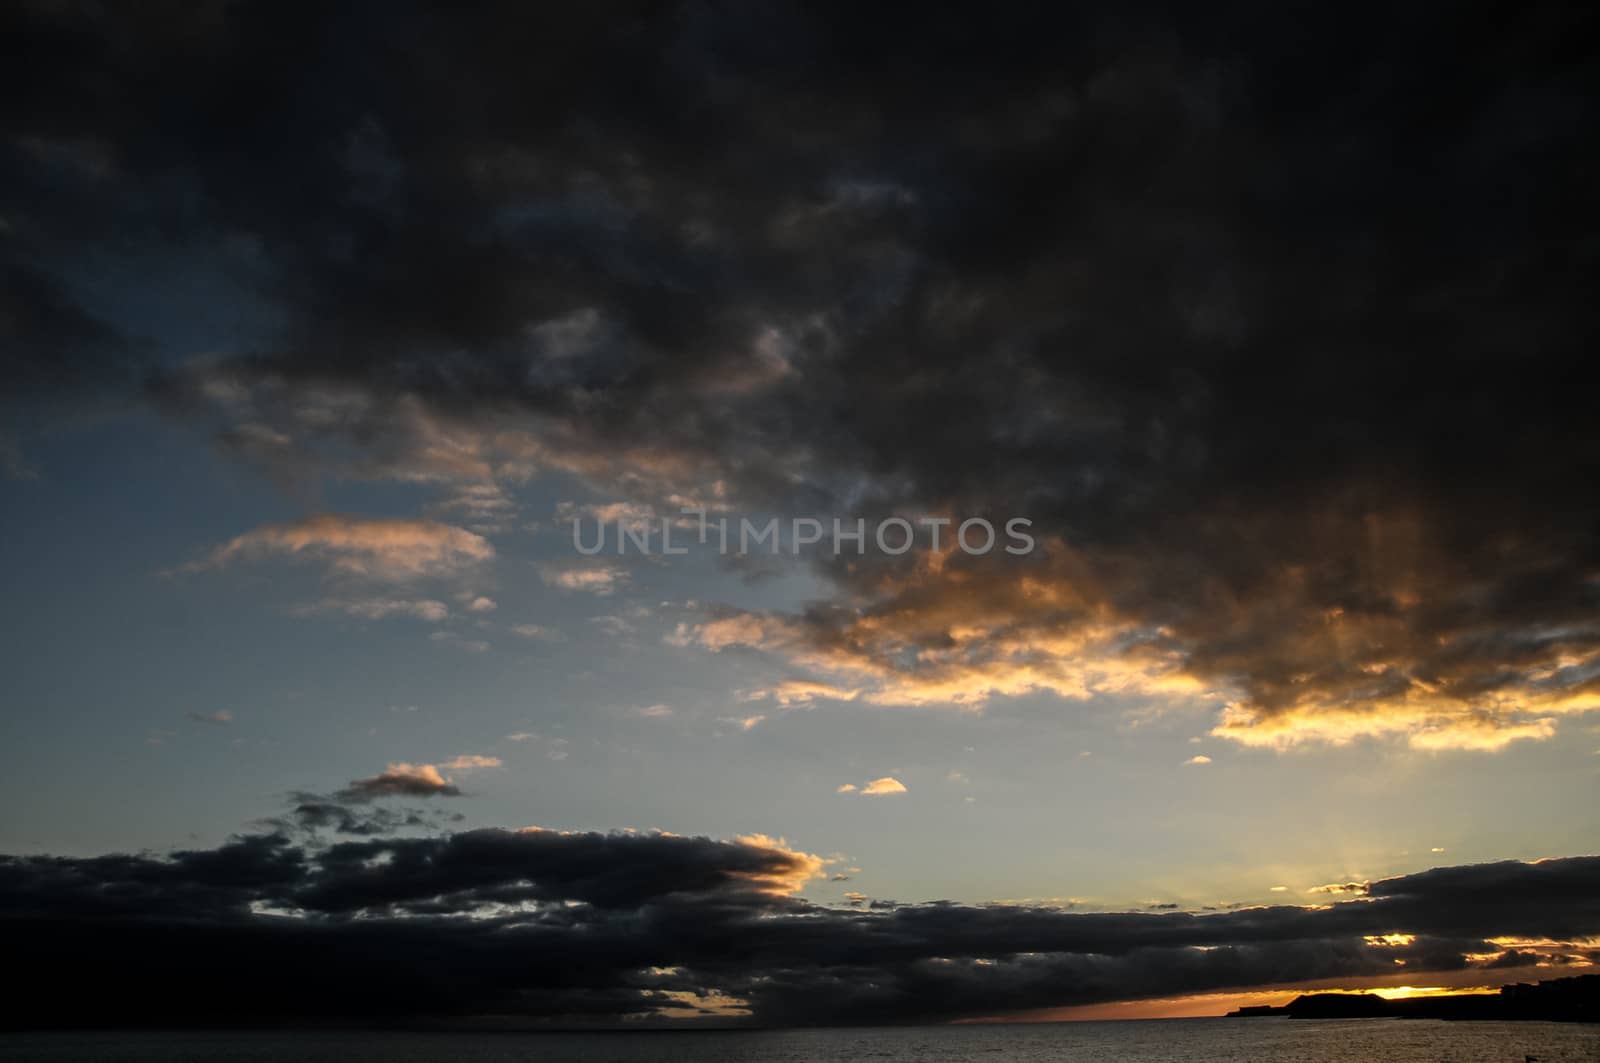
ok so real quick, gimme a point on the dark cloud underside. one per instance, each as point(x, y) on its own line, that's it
point(591, 927)
point(1277, 319)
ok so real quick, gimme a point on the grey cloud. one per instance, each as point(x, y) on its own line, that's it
point(1286, 345)
point(586, 927)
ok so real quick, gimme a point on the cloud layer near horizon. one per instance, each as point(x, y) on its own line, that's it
point(537, 925)
point(1283, 355)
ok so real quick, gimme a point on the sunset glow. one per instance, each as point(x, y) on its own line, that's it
point(940, 514)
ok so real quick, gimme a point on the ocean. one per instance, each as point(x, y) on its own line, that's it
point(1167, 1041)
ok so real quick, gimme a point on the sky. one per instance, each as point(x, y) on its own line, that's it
point(331, 340)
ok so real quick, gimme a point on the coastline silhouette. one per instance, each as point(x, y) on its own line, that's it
point(1558, 1000)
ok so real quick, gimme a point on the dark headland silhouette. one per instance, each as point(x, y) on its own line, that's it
point(1558, 1000)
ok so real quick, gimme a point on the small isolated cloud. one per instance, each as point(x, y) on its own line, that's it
point(402, 780)
point(1280, 889)
point(538, 633)
point(220, 716)
point(803, 692)
point(656, 712)
point(482, 604)
point(378, 608)
point(522, 736)
point(599, 580)
point(384, 549)
point(885, 785)
point(472, 762)
point(1436, 850)
point(847, 788)
point(1199, 758)
point(1357, 889)
point(741, 630)
point(612, 625)
point(450, 638)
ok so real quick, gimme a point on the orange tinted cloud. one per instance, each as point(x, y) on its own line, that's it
point(402, 780)
point(1280, 667)
point(785, 871)
point(599, 579)
point(388, 549)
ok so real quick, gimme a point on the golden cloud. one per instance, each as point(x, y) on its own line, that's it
point(1401, 660)
point(378, 548)
point(788, 873)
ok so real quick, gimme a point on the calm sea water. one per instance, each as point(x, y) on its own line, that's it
point(1171, 1041)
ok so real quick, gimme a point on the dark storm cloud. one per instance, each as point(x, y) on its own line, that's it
point(1277, 320)
point(590, 927)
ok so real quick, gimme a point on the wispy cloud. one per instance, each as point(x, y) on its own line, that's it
point(375, 548)
point(538, 632)
point(601, 579)
point(471, 762)
point(428, 609)
point(802, 692)
point(457, 642)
